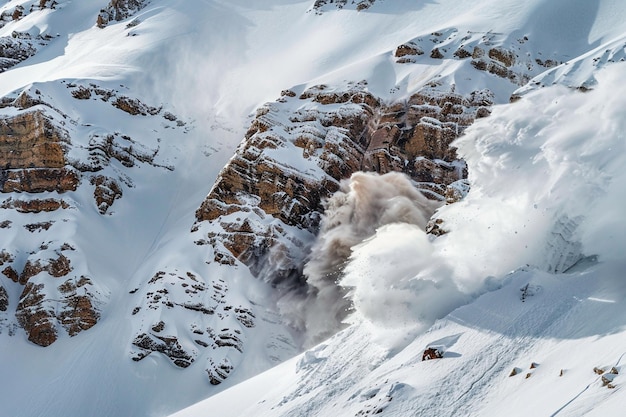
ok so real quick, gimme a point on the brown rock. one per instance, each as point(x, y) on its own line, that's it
point(432, 353)
point(434, 227)
point(59, 267)
point(364, 5)
point(31, 269)
point(29, 140)
point(36, 321)
point(4, 299)
point(74, 310)
point(34, 227)
point(462, 53)
point(408, 49)
point(504, 56)
point(134, 106)
point(78, 314)
point(159, 326)
point(17, 13)
point(81, 93)
point(357, 133)
point(34, 206)
point(32, 154)
point(436, 54)
point(106, 191)
point(119, 10)
point(40, 180)
point(11, 274)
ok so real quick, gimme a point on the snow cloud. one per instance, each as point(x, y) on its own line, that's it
point(364, 203)
point(548, 187)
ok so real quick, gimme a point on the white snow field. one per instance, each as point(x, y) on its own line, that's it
point(530, 271)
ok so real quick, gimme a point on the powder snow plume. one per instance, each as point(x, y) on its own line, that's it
point(364, 203)
point(546, 191)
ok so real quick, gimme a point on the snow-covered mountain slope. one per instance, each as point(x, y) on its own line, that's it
point(159, 263)
point(545, 339)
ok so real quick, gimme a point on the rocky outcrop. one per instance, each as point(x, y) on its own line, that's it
point(4, 299)
point(45, 308)
point(218, 372)
point(37, 321)
point(19, 46)
point(407, 52)
point(118, 10)
point(78, 311)
point(263, 198)
point(514, 59)
point(35, 205)
point(106, 191)
point(39, 155)
point(432, 353)
point(323, 5)
point(41, 316)
point(56, 267)
point(14, 51)
point(213, 324)
point(39, 180)
point(168, 346)
point(32, 155)
point(55, 296)
point(34, 149)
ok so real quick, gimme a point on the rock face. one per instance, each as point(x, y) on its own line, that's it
point(34, 148)
point(35, 205)
point(55, 297)
point(14, 51)
point(263, 198)
point(20, 46)
point(515, 60)
point(118, 10)
point(432, 353)
point(32, 155)
point(40, 156)
point(212, 324)
point(4, 299)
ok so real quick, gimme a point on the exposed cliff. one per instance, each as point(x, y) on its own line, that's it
point(45, 162)
point(268, 201)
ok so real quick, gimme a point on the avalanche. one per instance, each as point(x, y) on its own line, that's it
point(547, 184)
point(527, 280)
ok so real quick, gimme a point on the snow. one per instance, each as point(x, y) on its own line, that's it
point(546, 190)
point(546, 201)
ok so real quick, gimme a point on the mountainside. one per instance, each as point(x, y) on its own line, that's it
point(194, 192)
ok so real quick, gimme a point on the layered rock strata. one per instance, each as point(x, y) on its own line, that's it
point(269, 199)
point(42, 168)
